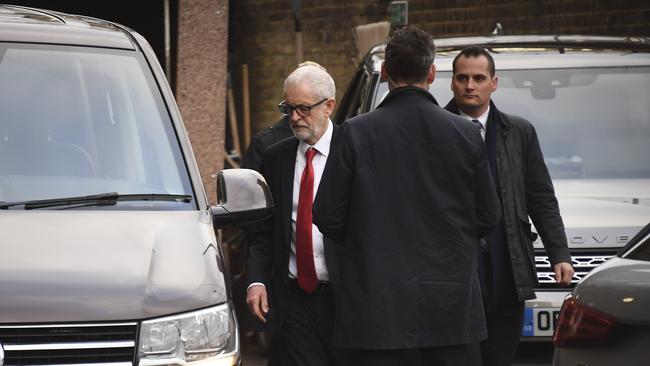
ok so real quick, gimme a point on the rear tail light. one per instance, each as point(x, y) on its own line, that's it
point(581, 325)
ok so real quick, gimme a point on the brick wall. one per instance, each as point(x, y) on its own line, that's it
point(262, 32)
point(201, 84)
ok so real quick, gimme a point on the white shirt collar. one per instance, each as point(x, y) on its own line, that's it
point(482, 118)
point(322, 145)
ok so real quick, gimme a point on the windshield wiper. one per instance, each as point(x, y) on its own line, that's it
point(102, 199)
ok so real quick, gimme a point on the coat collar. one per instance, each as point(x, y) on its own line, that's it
point(404, 91)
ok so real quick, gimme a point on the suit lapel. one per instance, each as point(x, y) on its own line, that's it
point(287, 165)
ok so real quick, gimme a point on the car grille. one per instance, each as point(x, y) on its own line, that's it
point(69, 344)
point(582, 264)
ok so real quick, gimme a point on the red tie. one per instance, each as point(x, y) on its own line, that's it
point(307, 278)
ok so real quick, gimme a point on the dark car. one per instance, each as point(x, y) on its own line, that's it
point(606, 320)
point(108, 253)
point(588, 100)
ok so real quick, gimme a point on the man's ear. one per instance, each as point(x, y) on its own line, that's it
point(383, 73)
point(432, 74)
point(330, 104)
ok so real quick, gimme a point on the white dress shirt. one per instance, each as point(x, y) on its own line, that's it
point(482, 118)
point(323, 150)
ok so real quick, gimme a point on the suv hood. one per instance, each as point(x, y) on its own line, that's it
point(633, 191)
point(604, 202)
point(602, 212)
point(72, 266)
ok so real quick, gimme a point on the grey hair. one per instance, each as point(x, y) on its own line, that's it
point(311, 63)
point(319, 81)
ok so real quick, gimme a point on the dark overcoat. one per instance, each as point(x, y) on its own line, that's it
point(526, 190)
point(407, 196)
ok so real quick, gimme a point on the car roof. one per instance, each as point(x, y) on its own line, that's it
point(513, 52)
point(30, 25)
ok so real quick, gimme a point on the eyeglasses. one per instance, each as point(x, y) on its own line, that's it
point(303, 110)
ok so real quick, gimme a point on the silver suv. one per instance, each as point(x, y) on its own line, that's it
point(108, 251)
point(588, 100)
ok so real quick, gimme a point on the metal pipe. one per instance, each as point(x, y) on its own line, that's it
point(168, 52)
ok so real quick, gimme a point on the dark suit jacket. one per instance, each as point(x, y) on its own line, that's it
point(270, 241)
point(408, 196)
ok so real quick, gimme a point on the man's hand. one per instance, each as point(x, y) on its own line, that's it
point(258, 301)
point(563, 273)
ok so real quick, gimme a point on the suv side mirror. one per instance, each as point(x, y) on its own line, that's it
point(243, 198)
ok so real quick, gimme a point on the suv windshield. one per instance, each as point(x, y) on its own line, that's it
point(80, 121)
point(591, 122)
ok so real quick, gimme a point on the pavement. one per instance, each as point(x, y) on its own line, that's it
point(528, 354)
point(249, 359)
point(253, 353)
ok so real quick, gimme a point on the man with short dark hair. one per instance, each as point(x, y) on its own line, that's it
point(407, 197)
point(506, 265)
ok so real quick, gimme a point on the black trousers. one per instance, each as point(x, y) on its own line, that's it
point(504, 331)
point(504, 313)
point(429, 356)
point(307, 329)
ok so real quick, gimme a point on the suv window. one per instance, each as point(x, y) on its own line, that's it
point(589, 126)
point(79, 121)
point(352, 100)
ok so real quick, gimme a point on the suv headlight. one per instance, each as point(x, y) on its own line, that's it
point(208, 335)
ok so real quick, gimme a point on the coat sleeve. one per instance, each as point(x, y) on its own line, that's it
point(488, 212)
point(330, 212)
point(260, 240)
point(542, 204)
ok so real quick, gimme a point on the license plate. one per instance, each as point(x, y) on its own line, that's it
point(540, 322)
